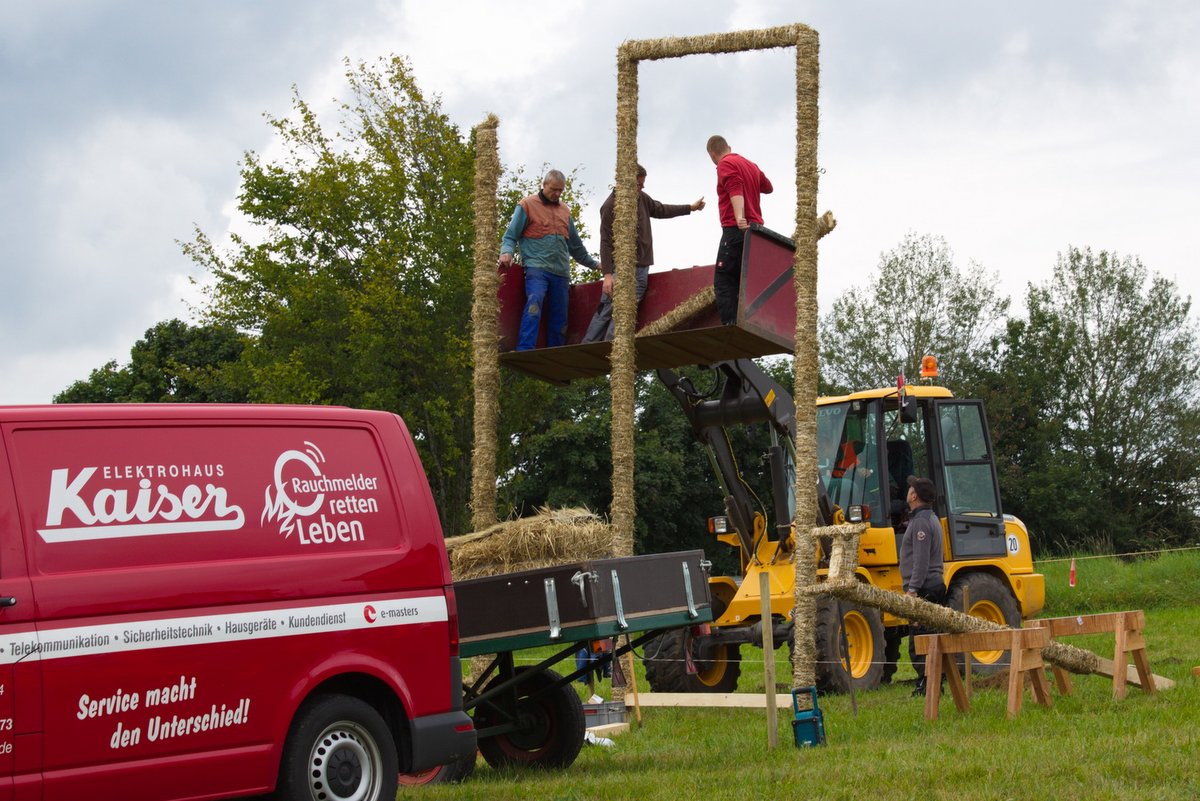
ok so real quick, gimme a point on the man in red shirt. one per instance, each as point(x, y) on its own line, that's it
point(739, 184)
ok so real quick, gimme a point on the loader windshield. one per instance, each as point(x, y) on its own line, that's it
point(847, 453)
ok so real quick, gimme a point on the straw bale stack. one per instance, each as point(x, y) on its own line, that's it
point(549, 537)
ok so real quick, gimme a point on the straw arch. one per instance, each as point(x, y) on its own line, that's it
point(629, 54)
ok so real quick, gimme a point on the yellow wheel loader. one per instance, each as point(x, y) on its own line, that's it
point(868, 444)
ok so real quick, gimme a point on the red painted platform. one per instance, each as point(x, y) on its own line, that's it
point(766, 321)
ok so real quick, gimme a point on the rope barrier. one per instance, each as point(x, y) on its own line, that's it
point(1127, 555)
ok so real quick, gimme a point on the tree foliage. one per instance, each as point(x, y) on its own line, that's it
point(918, 302)
point(1098, 413)
point(173, 362)
point(357, 285)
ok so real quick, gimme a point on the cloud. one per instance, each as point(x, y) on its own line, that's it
point(1013, 131)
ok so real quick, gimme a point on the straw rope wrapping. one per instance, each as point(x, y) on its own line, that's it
point(805, 359)
point(548, 538)
point(623, 357)
point(681, 314)
point(942, 618)
point(485, 327)
point(804, 39)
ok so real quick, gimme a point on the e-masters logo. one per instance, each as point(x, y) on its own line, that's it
point(317, 508)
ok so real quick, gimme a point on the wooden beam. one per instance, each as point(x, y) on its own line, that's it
point(714, 700)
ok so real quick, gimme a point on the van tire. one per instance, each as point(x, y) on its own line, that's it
point(549, 729)
point(338, 747)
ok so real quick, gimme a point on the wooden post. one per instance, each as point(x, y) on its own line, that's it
point(768, 645)
point(633, 686)
point(966, 598)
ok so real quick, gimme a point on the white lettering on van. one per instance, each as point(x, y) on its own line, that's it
point(111, 512)
point(302, 503)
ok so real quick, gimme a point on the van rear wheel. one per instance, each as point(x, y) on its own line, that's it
point(338, 749)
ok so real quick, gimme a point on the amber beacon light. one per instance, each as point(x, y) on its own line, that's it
point(929, 367)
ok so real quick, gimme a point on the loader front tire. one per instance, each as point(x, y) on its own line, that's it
point(990, 600)
point(865, 638)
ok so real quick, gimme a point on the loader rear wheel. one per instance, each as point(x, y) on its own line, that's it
point(717, 666)
point(990, 600)
point(865, 640)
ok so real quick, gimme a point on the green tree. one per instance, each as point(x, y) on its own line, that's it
point(1110, 450)
point(568, 461)
point(357, 283)
point(173, 362)
point(917, 303)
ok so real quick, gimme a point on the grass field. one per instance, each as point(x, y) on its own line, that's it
point(1086, 746)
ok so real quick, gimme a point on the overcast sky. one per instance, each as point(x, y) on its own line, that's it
point(1013, 130)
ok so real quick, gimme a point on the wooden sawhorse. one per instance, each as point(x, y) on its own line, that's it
point(1025, 653)
point(1129, 628)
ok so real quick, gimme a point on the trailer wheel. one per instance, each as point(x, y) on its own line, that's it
point(338, 748)
point(548, 729)
point(990, 600)
point(718, 667)
point(456, 771)
point(864, 638)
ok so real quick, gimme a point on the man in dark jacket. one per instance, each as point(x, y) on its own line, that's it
point(921, 569)
point(601, 327)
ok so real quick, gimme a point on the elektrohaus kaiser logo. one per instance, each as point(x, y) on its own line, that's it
point(118, 501)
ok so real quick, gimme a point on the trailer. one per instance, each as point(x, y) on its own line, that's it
point(530, 715)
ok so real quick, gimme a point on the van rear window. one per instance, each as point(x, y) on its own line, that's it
point(98, 496)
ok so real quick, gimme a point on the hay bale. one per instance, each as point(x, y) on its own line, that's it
point(549, 537)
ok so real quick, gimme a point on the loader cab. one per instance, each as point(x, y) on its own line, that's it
point(932, 434)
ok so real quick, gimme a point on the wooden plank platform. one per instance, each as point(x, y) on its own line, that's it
point(673, 349)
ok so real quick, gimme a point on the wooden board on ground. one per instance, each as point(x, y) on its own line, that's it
point(713, 700)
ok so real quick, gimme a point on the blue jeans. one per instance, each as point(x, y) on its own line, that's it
point(549, 292)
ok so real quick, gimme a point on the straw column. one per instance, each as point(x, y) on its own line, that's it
point(485, 328)
point(805, 360)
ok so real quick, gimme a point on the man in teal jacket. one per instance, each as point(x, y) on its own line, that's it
point(542, 226)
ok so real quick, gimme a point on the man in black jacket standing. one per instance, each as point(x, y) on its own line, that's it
point(921, 559)
point(601, 327)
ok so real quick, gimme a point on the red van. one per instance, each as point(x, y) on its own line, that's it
point(215, 601)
